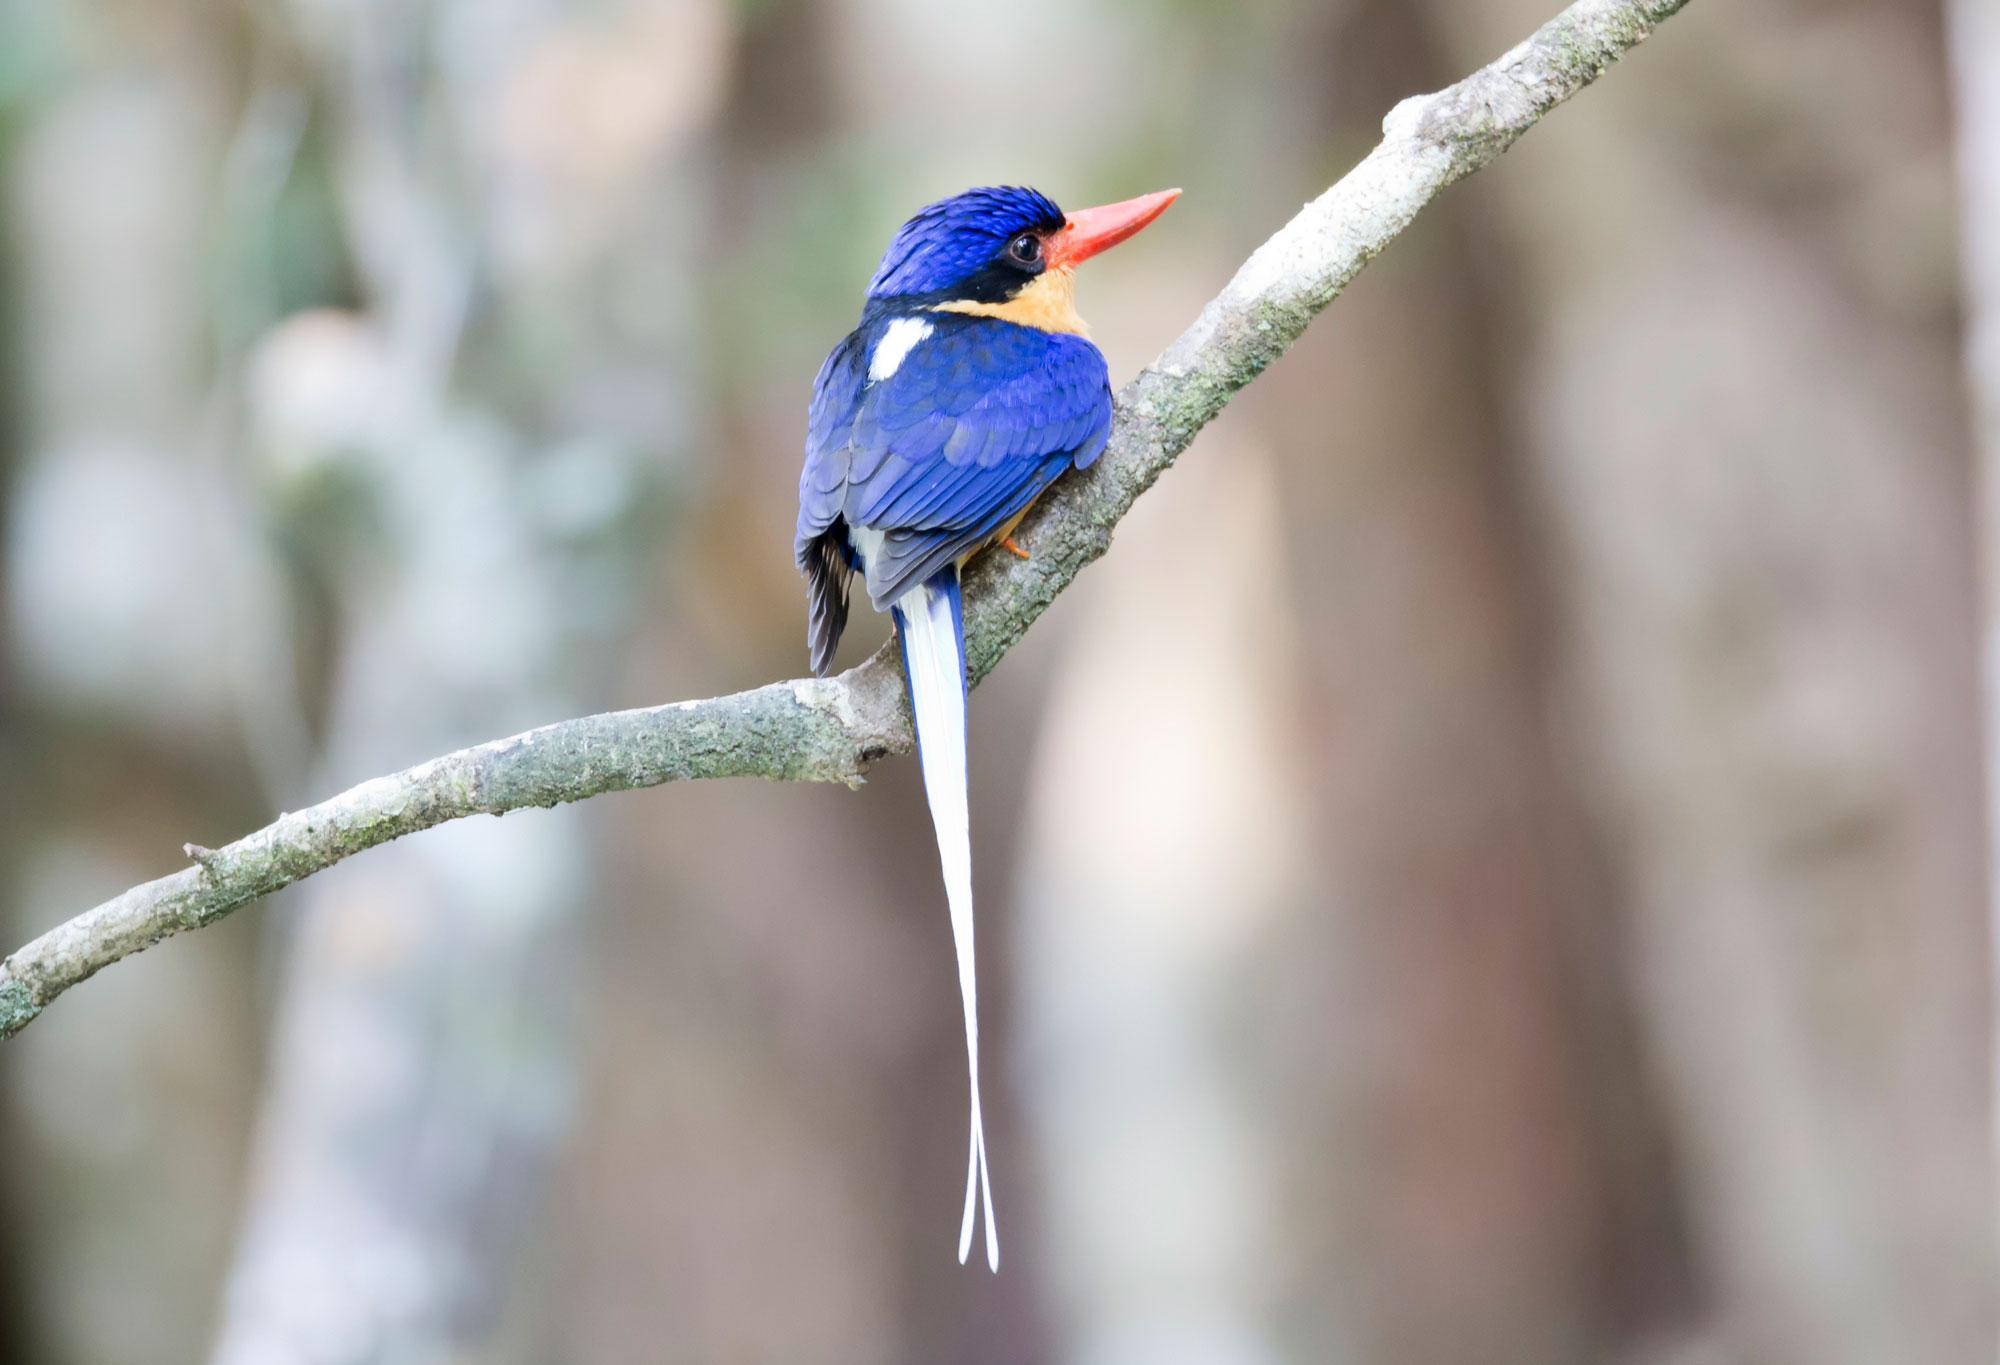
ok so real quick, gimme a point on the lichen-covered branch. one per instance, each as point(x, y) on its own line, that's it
point(832, 730)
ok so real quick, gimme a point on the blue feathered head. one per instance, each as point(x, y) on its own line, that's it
point(952, 241)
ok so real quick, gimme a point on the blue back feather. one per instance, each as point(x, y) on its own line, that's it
point(979, 419)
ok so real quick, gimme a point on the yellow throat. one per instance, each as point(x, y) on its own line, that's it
point(1049, 302)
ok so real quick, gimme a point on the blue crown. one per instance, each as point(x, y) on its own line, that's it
point(948, 241)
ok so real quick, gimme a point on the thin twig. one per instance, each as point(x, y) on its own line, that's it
point(832, 730)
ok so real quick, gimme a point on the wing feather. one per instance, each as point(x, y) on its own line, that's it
point(973, 424)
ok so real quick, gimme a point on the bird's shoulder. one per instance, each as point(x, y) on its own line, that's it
point(910, 368)
point(909, 392)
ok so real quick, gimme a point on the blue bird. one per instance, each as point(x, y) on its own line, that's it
point(968, 386)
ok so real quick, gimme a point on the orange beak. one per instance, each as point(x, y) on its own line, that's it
point(1089, 231)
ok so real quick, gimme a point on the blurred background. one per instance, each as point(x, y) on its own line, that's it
point(1490, 869)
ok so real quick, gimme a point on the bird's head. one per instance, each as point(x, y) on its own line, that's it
point(1003, 251)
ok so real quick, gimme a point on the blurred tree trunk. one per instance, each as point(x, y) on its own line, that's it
point(520, 210)
point(1463, 1122)
point(133, 586)
point(1386, 1101)
point(1975, 53)
point(1488, 1190)
point(1745, 437)
point(1160, 876)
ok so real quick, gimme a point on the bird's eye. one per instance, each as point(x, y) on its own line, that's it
point(1027, 248)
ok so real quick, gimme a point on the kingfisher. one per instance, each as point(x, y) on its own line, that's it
point(969, 385)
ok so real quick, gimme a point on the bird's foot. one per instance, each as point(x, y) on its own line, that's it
point(1007, 543)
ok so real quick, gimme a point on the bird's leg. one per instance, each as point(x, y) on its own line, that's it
point(1007, 543)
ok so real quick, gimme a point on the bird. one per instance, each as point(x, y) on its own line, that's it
point(969, 385)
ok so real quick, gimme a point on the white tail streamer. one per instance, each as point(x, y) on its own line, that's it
point(934, 658)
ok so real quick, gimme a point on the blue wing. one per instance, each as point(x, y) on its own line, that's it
point(977, 420)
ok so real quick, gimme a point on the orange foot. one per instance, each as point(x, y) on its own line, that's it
point(1008, 543)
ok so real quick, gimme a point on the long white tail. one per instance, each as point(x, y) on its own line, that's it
point(931, 626)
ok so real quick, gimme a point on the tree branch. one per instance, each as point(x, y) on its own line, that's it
point(831, 730)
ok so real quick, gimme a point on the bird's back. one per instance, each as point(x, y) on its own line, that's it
point(937, 429)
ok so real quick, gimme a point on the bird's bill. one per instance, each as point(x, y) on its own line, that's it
point(1089, 231)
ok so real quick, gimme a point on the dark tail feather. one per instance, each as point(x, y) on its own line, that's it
point(827, 570)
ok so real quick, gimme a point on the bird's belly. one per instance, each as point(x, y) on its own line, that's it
point(1006, 530)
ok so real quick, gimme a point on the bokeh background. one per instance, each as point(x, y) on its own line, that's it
point(1490, 869)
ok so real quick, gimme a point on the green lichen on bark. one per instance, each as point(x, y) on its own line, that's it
point(17, 1007)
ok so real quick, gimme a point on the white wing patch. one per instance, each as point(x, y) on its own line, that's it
point(895, 346)
point(866, 541)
